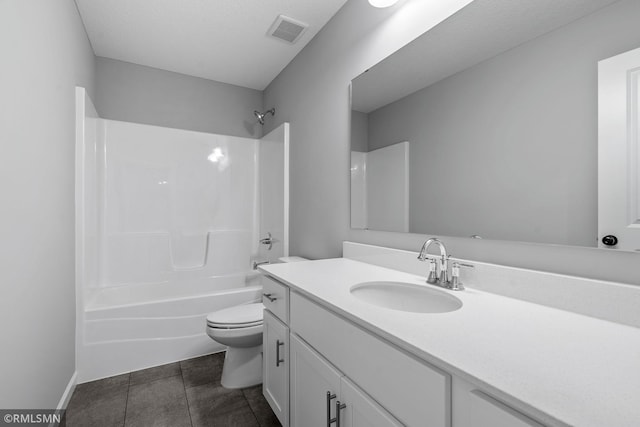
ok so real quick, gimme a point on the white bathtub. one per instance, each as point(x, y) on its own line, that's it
point(134, 327)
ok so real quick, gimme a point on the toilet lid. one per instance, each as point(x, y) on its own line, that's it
point(240, 316)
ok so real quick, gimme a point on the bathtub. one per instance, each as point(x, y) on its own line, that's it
point(132, 327)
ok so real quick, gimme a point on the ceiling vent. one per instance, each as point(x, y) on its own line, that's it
point(287, 29)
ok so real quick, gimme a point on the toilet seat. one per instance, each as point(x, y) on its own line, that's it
point(241, 316)
point(244, 337)
point(233, 325)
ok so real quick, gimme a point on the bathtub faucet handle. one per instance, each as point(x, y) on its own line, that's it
point(268, 241)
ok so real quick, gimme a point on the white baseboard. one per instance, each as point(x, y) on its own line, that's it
point(66, 396)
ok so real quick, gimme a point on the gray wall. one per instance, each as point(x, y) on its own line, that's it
point(135, 93)
point(312, 93)
point(45, 53)
point(516, 137)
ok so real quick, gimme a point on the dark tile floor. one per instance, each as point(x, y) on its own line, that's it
point(186, 393)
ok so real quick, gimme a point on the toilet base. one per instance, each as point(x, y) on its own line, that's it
point(242, 367)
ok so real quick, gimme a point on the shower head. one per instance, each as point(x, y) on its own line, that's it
point(261, 116)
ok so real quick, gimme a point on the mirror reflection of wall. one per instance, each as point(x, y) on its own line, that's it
point(502, 145)
point(380, 188)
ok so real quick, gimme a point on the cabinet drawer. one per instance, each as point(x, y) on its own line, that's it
point(486, 411)
point(412, 391)
point(275, 297)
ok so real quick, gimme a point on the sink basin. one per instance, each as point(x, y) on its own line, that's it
point(405, 297)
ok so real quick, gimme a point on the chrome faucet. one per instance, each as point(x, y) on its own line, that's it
point(441, 279)
point(256, 264)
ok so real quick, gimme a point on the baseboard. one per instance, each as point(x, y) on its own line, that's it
point(66, 396)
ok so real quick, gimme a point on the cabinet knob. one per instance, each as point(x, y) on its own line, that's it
point(610, 240)
point(269, 297)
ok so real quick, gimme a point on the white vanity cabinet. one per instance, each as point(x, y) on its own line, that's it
point(312, 378)
point(416, 393)
point(321, 369)
point(486, 411)
point(275, 348)
point(321, 395)
point(275, 364)
point(275, 298)
point(360, 410)
point(473, 407)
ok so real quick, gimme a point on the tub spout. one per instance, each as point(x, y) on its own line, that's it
point(258, 263)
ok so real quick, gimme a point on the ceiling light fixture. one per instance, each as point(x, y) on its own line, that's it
point(382, 3)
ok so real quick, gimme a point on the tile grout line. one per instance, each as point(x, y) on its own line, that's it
point(255, 416)
point(247, 397)
point(126, 402)
point(186, 397)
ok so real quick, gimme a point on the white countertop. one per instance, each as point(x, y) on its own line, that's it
point(561, 367)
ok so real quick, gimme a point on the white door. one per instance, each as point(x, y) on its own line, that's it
point(618, 153)
point(315, 387)
point(275, 366)
point(360, 410)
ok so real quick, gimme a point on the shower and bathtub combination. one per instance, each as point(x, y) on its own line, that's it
point(168, 224)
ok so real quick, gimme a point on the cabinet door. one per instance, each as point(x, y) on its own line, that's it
point(415, 392)
point(312, 378)
point(360, 410)
point(275, 366)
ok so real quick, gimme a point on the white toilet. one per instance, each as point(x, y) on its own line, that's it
point(240, 329)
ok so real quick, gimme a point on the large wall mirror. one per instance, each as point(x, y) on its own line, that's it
point(487, 125)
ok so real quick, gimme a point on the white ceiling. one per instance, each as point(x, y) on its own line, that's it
point(222, 40)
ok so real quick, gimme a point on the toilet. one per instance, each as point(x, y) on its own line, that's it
point(240, 329)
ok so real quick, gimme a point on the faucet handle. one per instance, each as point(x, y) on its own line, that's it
point(433, 271)
point(269, 240)
point(456, 284)
point(462, 264)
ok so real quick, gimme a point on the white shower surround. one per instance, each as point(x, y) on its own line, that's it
point(168, 223)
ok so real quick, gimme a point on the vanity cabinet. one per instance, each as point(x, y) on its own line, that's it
point(314, 358)
point(486, 411)
point(275, 298)
point(416, 393)
point(473, 407)
point(275, 364)
point(275, 349)
point(312, 378)
point(360, 410)
point(321, 395)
